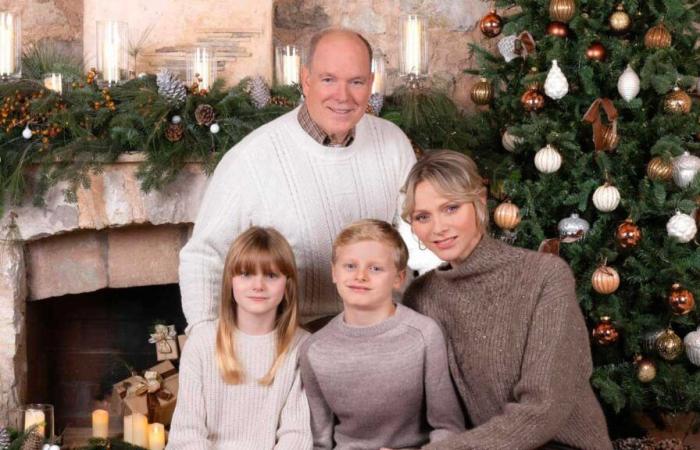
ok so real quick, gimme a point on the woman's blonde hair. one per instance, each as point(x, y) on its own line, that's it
point(257, 250)
point(377, 231)
point(454, 175)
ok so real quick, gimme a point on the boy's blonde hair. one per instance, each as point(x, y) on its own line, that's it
point(453, 174)
point(256, 250)
point(373, 230)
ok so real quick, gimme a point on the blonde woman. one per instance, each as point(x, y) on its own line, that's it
point(240, 386)
point(518, 345)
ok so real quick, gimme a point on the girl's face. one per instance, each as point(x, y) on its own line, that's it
point(257, 295)
point(448, 228)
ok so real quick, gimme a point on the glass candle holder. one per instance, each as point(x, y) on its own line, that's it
point(112, 51)
point(10, 45)
point(201, 67)
point(37, 416)
point(287, 65)
point(54, 82)
point(413, 59)
point(379, 71)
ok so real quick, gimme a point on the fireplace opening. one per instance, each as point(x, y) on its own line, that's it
point(79, 345)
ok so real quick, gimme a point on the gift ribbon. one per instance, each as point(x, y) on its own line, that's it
point(162, 334)
point(526, 43)
point(592, 116)
point(150, 385)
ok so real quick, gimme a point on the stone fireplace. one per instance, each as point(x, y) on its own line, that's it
point(115, 243)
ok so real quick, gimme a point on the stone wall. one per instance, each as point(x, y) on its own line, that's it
point(453, 25)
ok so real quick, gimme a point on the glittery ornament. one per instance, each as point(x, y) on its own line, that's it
point(677, 102)
point(646, 369)
point(619, 20)
point(658, 169)
point(628, 84)
point(681, 227)
point(171, 87)
point(573, 226)
point(556, 85)
point(604, 332)
point(657, 37)
point(685, 169)
point(669, 345)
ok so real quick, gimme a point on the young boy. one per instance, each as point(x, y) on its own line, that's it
point(376, 376)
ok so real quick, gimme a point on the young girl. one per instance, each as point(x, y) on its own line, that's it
point(239, 379)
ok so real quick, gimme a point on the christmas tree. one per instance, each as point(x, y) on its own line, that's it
point(591, 114)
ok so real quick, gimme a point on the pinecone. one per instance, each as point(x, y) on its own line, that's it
point(204, 114)
point(33, 441)
point(259, 92)
point(376, 101)
point(171, 88)
point(174, 132)
point(5, 439)
point(671, 444)
point(634, 444)
point(281, 101)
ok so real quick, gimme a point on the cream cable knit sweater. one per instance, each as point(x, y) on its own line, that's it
point(211, 414)
point(279, 176)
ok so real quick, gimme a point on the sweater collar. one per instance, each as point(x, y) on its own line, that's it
point(372, 330)
point(488, 254)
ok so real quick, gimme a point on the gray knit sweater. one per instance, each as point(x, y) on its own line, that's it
point(385, 385)
point(518, 349)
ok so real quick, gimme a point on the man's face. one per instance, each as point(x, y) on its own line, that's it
point(337, 84)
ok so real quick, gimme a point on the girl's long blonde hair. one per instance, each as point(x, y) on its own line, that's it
point(256, 250)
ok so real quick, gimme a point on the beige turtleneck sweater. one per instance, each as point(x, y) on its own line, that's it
point(518, 349)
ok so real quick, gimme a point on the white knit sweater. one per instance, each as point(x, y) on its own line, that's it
point(279, 176)
point(211, 414)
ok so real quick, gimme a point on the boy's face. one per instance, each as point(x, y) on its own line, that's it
point(365, 274)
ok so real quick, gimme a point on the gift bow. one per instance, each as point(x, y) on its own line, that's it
point(592, 116)
point(149, 383)
point(161, 336)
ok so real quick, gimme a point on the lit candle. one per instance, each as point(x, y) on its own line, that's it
point(291, 63)
point(111, 50)
point(156, 436)
point(129, 429)
point(34, 417)
point(7, 44)
point(54, 82)
point(100, 423)
point(413, 45)
point(202, 67)
point(139, 434)
point(378, 71)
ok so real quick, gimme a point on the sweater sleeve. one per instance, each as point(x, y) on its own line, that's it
point(223, 214)
point(321, 414)
point(556, 367)
point(294, 432)
point(442, 407)
point(188, 430)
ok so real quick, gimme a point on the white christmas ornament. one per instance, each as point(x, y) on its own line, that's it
point(628, 84)
point(214, 128)
point(692, 346)
point(685, 169)
point(506, 47)
point(556, 86)
point(510, 141)
point(681, 227)
point(606, 198)
point(27, 132)
point(176, 119)
point(547, 159)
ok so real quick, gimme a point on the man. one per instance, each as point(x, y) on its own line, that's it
point(308, 173)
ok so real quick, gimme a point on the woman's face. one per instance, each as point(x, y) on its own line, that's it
point(447, 227)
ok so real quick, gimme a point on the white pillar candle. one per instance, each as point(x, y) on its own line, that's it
point(413, 45)
point(34, 417)
point(129, 429)
point(139, 430)
point(156, 436)
point(291, 63)
point(202, 67)
point(100, 423)
point(54, 82)
point(7, 44)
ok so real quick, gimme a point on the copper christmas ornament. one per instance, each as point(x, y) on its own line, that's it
point(628, 234)
point(506, 216)
point(677, 102)
point(596, 52)
point(558, 29)
point(657, 37)
point(681, 301)
point(605, 280)
point(491, 24)
point(562, 10)
point(532, 100)
point(605, 333)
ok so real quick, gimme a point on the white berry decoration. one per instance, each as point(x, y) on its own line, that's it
point(606, 198)
point(685, 169)
point(681, 227)
point(547, 159)
point(214, 128)
point(628, 84)
point(27, 132)
point(176, 119)
point(556, 85)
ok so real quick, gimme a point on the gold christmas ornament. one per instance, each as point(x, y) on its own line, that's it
point(506, 216)
point(533, 80)
point(677, 102)
point(610, 138)
point(620, 21)
point(605, 333)
point(482, 92)
point(669, 345)
point(605, 280)
point(491, 24)
point(562, 10)
point(659, 169)
point(681, 301)
point(657, 37)
point(646, 369)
